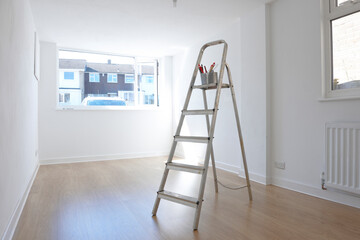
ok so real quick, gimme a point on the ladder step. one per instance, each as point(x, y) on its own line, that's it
point(191, 139)
point(198, 112)
point(185, 167)
point(178, 198)
point(211, 86)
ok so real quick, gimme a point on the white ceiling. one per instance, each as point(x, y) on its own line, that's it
point(134, 27)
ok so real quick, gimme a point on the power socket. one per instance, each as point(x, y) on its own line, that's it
point(280, 165)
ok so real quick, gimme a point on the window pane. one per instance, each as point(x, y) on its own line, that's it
point(69, 75)
point(342, 2)
point(112, 78)
point(94, 77)
point(146, 83)
point(346, 52)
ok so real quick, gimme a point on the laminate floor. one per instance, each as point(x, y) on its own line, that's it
point(114, 200)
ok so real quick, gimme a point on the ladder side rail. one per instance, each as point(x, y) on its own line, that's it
point(239, 132)
point(193, 78)
point(192, 82)
point(211, 134)
point(164, 177)
point(202, 186)
point(178, 130)
point(212, 149)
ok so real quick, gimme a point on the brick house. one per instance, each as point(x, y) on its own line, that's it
point(111, 80)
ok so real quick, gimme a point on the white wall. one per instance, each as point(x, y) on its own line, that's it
point(83, 135)
point(298, 118)
point(18, 115)
point(254, 91)
point(247, 60)
point(274, 52)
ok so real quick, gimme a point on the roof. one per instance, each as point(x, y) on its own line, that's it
point(109, 68)
point(102, 67)
point(147, 69)
point(72, 63)
point(117, 68)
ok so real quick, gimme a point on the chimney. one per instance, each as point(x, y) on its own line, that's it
point(109, 61)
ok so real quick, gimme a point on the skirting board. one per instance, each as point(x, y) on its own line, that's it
point(10, 229)
point(317, 192)
point(101, 157)
point(231, 168)
point(292, 185)
point(235, 169)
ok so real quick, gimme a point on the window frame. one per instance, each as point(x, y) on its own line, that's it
point(94, 74)
point(126, 81)
point(146, 76)
point(112, 78)
point(330, 12)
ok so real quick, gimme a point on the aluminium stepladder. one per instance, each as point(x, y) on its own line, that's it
point(170, 165)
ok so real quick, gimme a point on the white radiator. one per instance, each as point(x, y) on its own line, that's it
point(343, 156)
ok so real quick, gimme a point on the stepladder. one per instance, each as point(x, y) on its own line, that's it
point(210, 118)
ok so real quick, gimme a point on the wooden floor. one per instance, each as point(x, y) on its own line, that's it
point(114, 199)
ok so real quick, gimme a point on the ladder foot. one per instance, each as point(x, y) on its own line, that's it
point(156, 206)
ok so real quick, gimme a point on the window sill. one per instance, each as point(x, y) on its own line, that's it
point(106, 108)
point(343, 98)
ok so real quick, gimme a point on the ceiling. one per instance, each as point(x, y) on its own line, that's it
point(134, 27)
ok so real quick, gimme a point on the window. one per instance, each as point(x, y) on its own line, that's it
point(126, 95)
point(112, 78)
point(107, 81)
point(64, 97)
point(147, 78)
point(341, 42)
point(129, 78)
point(94, 77)
point(69, 75)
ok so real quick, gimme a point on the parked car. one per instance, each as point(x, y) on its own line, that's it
point(103, 101)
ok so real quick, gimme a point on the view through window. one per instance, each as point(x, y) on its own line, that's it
point(346, 51)
point(91, 79)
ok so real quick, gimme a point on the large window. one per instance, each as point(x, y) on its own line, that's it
point(107, 81)
point(341, 39)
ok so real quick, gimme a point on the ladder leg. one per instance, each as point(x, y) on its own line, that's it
point(239, 132)
point(164, 177)
point(211, 137)
point(173, 147)
point(212, 149)
point(202, 186)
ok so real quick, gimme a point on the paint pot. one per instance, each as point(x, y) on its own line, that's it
point(209, 78)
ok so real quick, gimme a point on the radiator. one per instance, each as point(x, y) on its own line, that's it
point(343, 157)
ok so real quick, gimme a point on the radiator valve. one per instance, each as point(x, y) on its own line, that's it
point(323, 187)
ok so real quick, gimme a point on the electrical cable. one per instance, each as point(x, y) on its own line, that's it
point(231, 188)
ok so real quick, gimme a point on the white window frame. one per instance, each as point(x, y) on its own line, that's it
point(112, 76)
point(126, 81)
point(94, 74)
point(330, 11)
